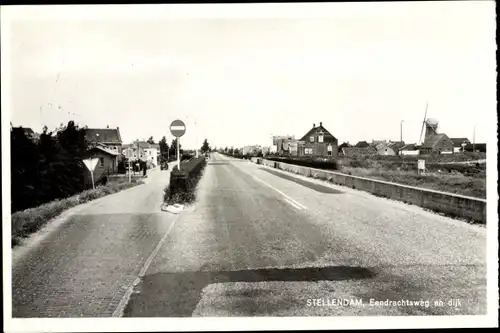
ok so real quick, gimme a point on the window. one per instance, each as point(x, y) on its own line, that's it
point(101, 161)
point(320, 138)
point(311, 138)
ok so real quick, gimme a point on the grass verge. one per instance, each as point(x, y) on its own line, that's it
point(31, 220)
point(445, 182)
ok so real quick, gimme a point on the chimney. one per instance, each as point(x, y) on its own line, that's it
point(320, 123)
point(107, 126)
point(314, 125)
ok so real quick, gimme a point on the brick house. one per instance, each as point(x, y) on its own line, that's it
point(108, 137)
point(107, 164)
point(437, 144)
point(318, 141)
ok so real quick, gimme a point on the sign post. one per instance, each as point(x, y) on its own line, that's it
point(178, 128)
point(421, 167)
point(129, 153)
point(91, 163)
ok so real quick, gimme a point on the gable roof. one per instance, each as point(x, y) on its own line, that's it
point(362, 144)
point(313, 131)
point(432, 140)
point(104, 149)
point(103, 135)
point(396, 145)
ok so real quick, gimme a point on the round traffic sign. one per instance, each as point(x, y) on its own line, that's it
point(177, 128)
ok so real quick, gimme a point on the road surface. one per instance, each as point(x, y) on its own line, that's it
point(258, 242)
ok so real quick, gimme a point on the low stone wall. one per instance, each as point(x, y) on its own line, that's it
point(448, 203)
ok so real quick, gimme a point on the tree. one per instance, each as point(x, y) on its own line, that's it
point(205, 148)
point(151, 141)
point(164, 153)
point(49, 168)
point(173, 148)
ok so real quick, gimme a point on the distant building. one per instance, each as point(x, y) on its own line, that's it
point(318, 141)
point(389, 148)
point(362, 144)
point(109, 137)
point(107, 164)
point(409, 149)
point(435, 143)
point(459, 144)
point(144, 151)
point(477, 147)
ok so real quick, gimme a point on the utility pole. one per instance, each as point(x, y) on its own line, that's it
point(401, 130)
point(178, 155)
point(474, 139)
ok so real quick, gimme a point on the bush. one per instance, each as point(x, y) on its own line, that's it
point(182, 186)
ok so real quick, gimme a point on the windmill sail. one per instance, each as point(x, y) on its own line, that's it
point(423, 124)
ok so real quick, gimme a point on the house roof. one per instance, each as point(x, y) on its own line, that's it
point(432, 140)
point(397, 145)
point(104, 149)
point(315, 129)
point(146, 145)
point(457, 142)
point(103, 135)
point(361, 144)
point(27, 130)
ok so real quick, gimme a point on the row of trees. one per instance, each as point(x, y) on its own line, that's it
point(48, 167)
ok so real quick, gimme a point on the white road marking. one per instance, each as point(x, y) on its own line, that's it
point(283, 194)
point(125, 299)
point(294, 205)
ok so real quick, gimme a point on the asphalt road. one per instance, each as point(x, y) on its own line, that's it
point(258, 242)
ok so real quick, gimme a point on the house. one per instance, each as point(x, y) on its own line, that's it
point(144, 151)
point(477, 147)
point(459, 144)
point(409, 149)
point(107, 164)
point(437, 144)
point(28, 132)
point(389, 148)
point(109, 137)
point(362, 144)
point(282, 144)
point(318, 141)
point(356, 152)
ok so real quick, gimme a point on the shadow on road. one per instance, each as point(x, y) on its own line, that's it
point(177, 294)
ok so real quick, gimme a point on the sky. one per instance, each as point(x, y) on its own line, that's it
point(237, 79)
